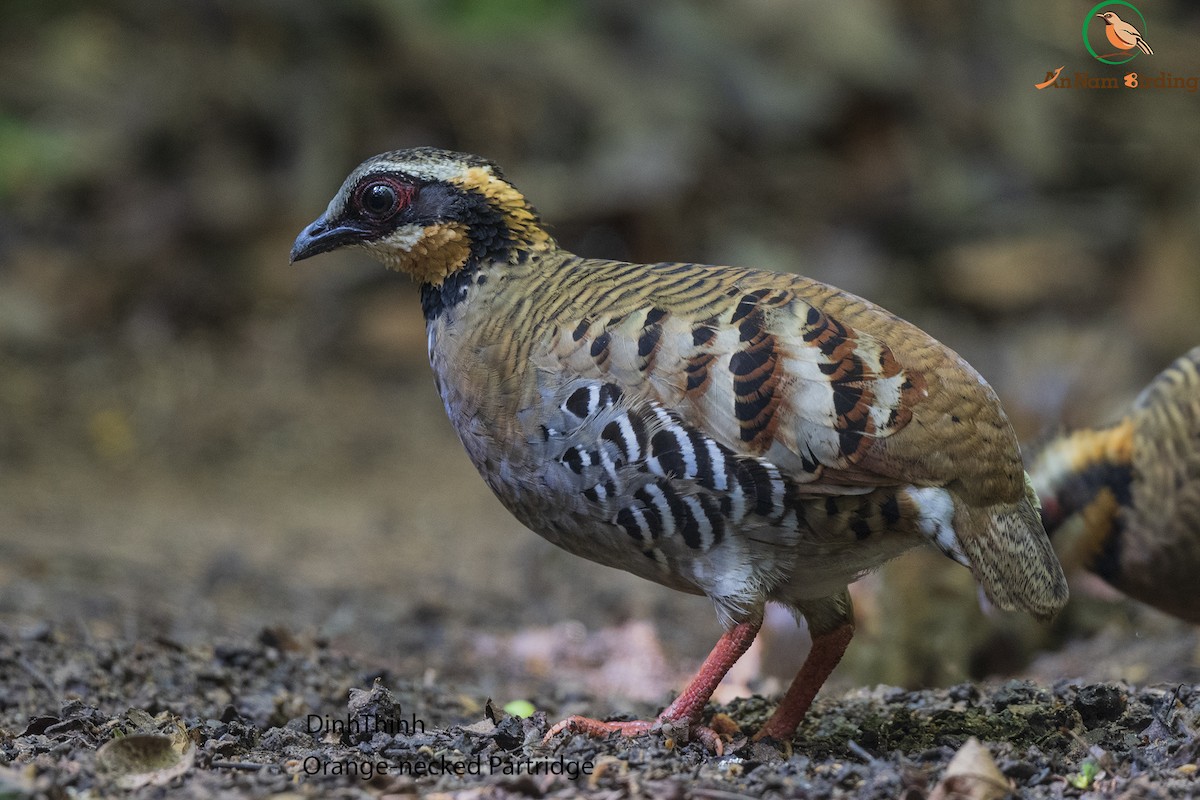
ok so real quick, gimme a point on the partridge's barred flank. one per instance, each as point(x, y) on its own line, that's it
point(1131, 492)
point(746, 435)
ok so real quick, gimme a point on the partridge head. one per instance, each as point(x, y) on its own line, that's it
point(1123, 500)
point(746, 435)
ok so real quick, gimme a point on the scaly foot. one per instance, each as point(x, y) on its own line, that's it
point(827, 650)
point(684, 714)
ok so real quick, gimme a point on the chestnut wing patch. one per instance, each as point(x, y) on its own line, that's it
point(697, 366)
point(856, 374)
point(757, 367)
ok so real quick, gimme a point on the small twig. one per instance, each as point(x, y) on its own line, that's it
point(860, 751)
point(719, 794)
point(34, 673)
point(246, 765)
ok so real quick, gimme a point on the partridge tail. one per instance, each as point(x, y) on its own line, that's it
point(1145, 47)
point(1012, 558)
point(1004, 546)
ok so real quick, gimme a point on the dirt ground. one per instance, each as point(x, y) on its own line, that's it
point(284, 577)
point(257, 717)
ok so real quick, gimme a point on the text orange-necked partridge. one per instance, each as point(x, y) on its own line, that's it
point(1131, 493)
point(746, 435)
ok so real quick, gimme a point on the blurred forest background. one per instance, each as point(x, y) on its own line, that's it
point(197, 440)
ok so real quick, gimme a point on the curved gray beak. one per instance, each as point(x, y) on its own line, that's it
point(322, 236)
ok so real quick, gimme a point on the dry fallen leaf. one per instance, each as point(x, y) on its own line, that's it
point(972, 775)
point(724, 725)
point(145, 759)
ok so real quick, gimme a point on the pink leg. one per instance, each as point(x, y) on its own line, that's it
point(827, 650)
point(689, 705)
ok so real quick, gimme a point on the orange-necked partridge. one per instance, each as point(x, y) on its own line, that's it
point(1131, 492)
point(746, 435)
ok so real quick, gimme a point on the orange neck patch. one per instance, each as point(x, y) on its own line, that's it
point(518, 215)
point(438, 251)
point(1112, 445)
point(1099, 519)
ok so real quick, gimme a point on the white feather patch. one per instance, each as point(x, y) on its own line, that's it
point(401, 240)
point(703, 524)
point(935, 520)
point(717, 459)
point(887, 398)
point(1051, 468)
point(659, 500)
point(405, 237)
point(633, 450)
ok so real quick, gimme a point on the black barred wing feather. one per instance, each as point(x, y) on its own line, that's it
point(748, 361)
point(632, 484)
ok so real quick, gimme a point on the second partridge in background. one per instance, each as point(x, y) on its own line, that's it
point(1124, 501)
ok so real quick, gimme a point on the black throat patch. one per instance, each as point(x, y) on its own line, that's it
point(491, 241)
point(436, 300)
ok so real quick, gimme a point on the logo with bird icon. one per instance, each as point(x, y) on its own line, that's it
point(1114, 32)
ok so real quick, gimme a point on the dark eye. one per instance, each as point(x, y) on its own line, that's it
point(381, 198)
